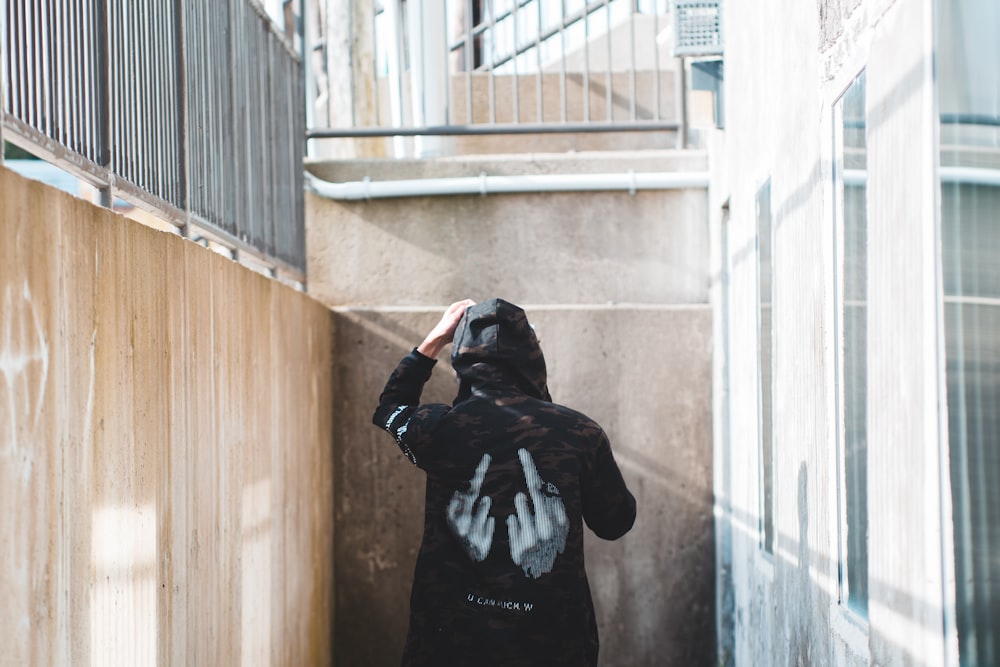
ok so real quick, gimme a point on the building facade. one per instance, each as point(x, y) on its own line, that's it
point(854, 202)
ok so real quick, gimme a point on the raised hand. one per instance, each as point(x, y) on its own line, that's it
point(537, 538)
point(470, 521)
point(444, 330)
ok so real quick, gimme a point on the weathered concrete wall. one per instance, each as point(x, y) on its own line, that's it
point(165, 448)
point(616, 286)
point(787, 609)
point(598, 247)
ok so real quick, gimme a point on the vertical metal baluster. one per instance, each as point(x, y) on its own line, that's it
point(469, 57)
point(8, 79)
point(608, 80)
point(143, 61)
point(218, 63)
point(32, 62)
point(227, 126)
point(468, 61)
point(161, 101)
point(5, 82)
point(16, 66)
point(586, 63)
point(171, 101)
point(160, 138)
point(76, 65)
point(234, 120)
point(632, 86)
point(448, 93)
point(538, 64)
point(492, 57)
point(656, 62)
point(120, 116)
point(260, 195)
point(147, 62)
point(137, 72)
point(183, 168)
point(88, 113)
point(516, 83)
point(376, 91)
point(128, 56)
point(562, 69)
point(212, 100)
point(214, 103)
point(67, 74)
point(103, 93)
point(188, 85)
point(249, 216)
point(197, 141)
point(56, 53)
point(45, 41)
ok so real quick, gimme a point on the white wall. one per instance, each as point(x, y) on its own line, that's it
point(786, 65)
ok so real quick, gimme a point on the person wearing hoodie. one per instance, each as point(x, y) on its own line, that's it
point(511, 479)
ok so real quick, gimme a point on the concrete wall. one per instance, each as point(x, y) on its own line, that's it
point(165, 448)
point(616, 285)
point(780, 97)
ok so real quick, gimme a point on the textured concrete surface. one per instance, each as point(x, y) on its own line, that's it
point(165, 448)
point(558, 248)
point(644, 374)
point(616, 285)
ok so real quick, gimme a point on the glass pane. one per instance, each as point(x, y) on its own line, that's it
point(855, 352)
point(765, 342)
point(968, 61)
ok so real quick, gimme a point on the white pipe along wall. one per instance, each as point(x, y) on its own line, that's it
point(484, 185)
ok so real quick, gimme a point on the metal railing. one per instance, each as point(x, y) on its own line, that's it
point(190, 109)
point(453, 67)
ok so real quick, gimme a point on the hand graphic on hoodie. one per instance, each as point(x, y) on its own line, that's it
point(536, 535)
point(469, 520)
point(536, 539)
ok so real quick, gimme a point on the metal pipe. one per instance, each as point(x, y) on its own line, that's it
point(630, 182)
point(954, 174)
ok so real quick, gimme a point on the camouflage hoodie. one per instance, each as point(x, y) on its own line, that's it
point(511, 480)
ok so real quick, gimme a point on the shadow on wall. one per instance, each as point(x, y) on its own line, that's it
point(653, 589)
point(800, 634)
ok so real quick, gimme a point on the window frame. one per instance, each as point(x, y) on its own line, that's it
point(765, 457)
point(854, 617)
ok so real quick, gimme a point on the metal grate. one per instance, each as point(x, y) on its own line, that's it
point(697, 28)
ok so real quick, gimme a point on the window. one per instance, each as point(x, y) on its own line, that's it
point(852, 367)
point(968, 56)
point(765, 365)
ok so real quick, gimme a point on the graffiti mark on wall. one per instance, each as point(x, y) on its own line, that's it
point(24, 367)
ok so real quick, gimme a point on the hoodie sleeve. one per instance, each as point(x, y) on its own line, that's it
point(399, 411)
point(608, 505)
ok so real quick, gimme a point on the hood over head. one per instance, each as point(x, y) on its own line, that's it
point(496, 348)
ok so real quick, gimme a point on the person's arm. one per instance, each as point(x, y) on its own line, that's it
point(399, 403)
point(608, 505)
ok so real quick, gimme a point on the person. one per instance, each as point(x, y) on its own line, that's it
point(511, 477)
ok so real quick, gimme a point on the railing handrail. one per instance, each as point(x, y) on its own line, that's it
point(192, 111)
point(576, 86)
